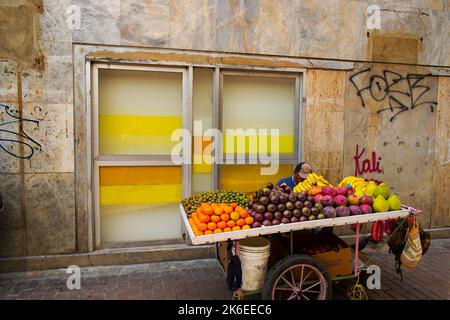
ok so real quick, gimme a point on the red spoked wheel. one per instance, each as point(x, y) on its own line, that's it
point(298, 277)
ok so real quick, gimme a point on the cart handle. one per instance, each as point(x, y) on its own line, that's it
point(412, 209)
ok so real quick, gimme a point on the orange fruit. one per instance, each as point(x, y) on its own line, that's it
point(218, 230)
point(246, 227)
point(249, 220)
point(233, 205)
point(194, 215)
point(191, 221)
point(228, 209)
point(202, 227)
point(197, 221)
point(215, 218)
point(208, 211)
point(208, 232)
point(204, 205)
point(240, 222)
point(231, 223)
point(236, 228)
point(218, 211)
point(243, 214)
point(227, 229)
point(212, 226)
point(198, 233)
point(204, 218)
point(315, 190)
point(235, 216)
point(225, 217)
point(221, 224)
point(238, 208)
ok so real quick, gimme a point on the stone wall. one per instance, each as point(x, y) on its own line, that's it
point(45, 215)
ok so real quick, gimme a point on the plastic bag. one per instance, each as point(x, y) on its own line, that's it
point(389, 226)
point(412, 253)
point(377, 231)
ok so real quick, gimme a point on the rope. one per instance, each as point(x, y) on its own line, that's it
point(238, 295)
point(357, 291)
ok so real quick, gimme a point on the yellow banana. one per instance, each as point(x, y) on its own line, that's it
point(321, 184)
point(346, 180)
point(316, 176)
point(359, 183)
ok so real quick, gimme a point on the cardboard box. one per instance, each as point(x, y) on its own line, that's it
point(337, 263)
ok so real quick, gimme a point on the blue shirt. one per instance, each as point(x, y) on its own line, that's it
point(289, 181)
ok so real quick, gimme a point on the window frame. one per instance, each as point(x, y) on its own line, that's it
point(99, 160)
point(292, 158)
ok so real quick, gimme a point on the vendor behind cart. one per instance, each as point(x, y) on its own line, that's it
point(299, 174)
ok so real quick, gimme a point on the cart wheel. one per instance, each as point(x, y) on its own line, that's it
point(297, 277)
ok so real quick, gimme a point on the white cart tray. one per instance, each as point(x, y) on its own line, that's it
point(281, 228)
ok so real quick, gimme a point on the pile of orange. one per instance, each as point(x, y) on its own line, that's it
point(216, 218)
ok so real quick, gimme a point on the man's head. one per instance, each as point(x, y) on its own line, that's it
point(301, 171)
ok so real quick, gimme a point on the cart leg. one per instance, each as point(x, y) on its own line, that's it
point(292, 242)
point(357, 248)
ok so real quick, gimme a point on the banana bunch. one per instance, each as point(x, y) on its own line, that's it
point(313, 179)
point(353, 181)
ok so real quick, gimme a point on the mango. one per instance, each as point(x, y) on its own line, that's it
point(394, 203)
point(370, 189)
point(380, 204)
point(381, 189)
point(358, 192)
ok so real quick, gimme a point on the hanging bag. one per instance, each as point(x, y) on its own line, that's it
point(412, 253)
point(377, 231)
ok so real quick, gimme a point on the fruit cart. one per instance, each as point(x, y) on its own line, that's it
point(299, 275)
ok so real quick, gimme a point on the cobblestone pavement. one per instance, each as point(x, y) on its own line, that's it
point(204, 279)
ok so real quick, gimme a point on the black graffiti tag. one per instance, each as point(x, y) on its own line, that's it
point(402, 92)
point(19, 137)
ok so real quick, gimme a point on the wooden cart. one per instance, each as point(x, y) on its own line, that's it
point(299, 276)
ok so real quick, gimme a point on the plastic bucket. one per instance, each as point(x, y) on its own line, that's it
point(254, 255)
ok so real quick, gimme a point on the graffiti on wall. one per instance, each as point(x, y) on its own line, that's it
point(368, 165)
point(402, 92)
point(12, 135)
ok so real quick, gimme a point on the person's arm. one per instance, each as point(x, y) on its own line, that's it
point(280, 182)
